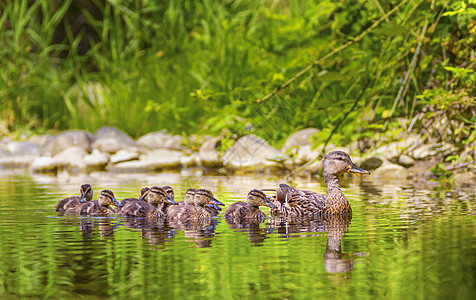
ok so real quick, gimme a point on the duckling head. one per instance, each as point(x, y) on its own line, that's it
point(85, 193)
point(143, 193)
point(189, 196)
point(337, 163)
point(158, 195)
point(170, 191)
point(205, 197)
point(106, 198)
point(259, 198)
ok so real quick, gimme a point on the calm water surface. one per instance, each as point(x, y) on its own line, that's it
point(403, 242)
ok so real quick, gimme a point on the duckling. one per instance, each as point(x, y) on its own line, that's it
point(132, 207)
point(299, 203)
point(250, 209)
point(204, 203)
point(185, 207)
point(98, 207)
point(155, 198)
point(70, 203)
point(169, 191)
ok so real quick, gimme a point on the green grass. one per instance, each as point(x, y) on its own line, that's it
point(199, 66)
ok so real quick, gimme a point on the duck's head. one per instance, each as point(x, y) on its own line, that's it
point(205, 197)
point(170, 191)
point(158, 195)
point(338, 163)
point(259, 198)
point(143, 193)
point(189, 196)
point(85, 193)
point(106, 198)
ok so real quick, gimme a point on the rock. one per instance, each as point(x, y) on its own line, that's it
point(124, 155)
point(160, 139)
point(67, 139)
point(431, 150)
point(299, 139)
point(16, 161)
point(389, 170)
point(154, 160)
point(190, 160)
point(250, 153)
point(371, 163)
point(110, 140)
point(465, 178)
point(44, 164)
point(72, 157)
point(208, 154)
point(40, 140)
point(96, 160)
point(393, 150)
point(406, 160)
point(23, 148)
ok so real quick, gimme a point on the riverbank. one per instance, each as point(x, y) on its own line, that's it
point(112, 150)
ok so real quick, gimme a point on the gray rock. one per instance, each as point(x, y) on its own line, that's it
point(22, 148)
point(299, 139)
point(190, 160)
point(389, 170)
point(406, 160)
point(208, 154)
point(152, 161)
point(110, 140)
point(40, 140)
point(16, 161)
point(96, 160)
point(72, 157)
point(371, 163)
point(44, 164)
point(67, 139)
point(250, 153)
point(124, 155)
point(160, 139)
point(431, 150)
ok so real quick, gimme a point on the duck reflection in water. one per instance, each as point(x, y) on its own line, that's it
point(105, 227)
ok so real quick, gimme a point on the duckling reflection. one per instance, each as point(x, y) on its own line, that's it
point(157, 235)
point(69, 204)
point(256, 234)
point(335, 225)
point(105, 226)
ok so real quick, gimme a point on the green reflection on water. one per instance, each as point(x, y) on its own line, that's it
point(416, 245)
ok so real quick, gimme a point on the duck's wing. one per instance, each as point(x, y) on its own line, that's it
point(236, 210)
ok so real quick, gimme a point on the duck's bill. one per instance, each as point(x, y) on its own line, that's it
point(83, 198)
point(216, 202)
point(116, 203)
point(270, 204)
point(214, 206)
point(170, 200)
point(141, 198)
point(356, 169)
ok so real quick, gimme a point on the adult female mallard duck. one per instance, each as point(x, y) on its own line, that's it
point(69, 204)
point(299, 203)
point(100, 207)
point(250, 209)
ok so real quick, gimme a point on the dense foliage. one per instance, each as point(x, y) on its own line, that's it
point(202, 66)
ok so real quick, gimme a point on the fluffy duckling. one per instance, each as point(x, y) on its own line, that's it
point(204, 203)
point(132, 207)
point(98, 207)
point(169, 191)
point(299, 203)
point(185, 207)
point(69, 204)
point(250, 209)
point(156, 198)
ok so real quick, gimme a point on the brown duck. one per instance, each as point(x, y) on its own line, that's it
point(100, 207)
point(132, 206)
point(299, 203)
point(250, 209)
point(69, 204)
